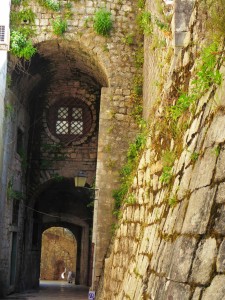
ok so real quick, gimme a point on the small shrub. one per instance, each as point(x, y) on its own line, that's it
point(21, 46)
point(217, 150)
point(173, 201)
point(59, 26)
point(103, 22)
point(194, 156)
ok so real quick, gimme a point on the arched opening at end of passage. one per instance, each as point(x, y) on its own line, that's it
point(58, 255)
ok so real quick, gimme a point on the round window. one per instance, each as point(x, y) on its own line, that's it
point(70, 120)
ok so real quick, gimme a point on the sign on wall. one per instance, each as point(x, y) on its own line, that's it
point(91, 295)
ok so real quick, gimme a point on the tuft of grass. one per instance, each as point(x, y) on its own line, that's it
point(103, 22)
point(194, 156)
point(50, 4)
point(173, 200)
point(126, 173)
point(207, 74)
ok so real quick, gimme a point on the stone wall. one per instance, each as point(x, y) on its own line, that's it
point(4, 16)
point(58, 253)
point(170, 240)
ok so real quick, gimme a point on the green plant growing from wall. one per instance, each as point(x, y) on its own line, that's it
point(8, 80)
point(13, 194)
point(130, 199)
point(173, 200)
point(9, 109)
point(59, 26)
point(206, 75)
point(217, 150)
point(145, 22)
point(168, 159)
point(26, 16)
point(127, 172)
point(16, 2)
point(194, 156)
point(129, 39)
point(21, 46)
point(141, 3)
point(103, 22)
point(50, 4)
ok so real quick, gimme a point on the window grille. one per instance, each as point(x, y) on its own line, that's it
point(69, 120)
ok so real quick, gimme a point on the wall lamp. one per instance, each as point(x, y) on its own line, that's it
point(80, 179)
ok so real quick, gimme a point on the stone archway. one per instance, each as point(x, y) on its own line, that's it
point(99, 71)
point(59, 204)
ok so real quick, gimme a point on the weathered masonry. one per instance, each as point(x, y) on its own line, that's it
point(170, 241)
point(68, 110)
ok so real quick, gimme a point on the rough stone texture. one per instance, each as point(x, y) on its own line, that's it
point(220, 263)
point(220, 196)
point(179, 249)
point(182, 258)
point(220, 221)
point(165, 245)
point(203, 170)
point(100, 71)
point(204, 261)
point(216, 290)
point(198, 211)
point(220, 173)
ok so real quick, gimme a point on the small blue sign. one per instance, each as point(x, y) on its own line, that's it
point(91, 295)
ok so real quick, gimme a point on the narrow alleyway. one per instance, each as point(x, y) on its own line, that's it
point(54, 290)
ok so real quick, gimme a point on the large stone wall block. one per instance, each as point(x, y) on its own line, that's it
point(220, 221)
point(194, 128)
point(183, 252)
point(176, 290)
point(204, 261)
point(220, 195)
point(216, 290)
point(198, 211)
point(203, 170)
point(216, 132)
point(220, 263)
point(220, 166)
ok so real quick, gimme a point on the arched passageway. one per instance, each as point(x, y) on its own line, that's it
point(65, 208)
point(62, 96)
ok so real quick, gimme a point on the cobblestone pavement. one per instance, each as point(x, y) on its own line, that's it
point(53, 290)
